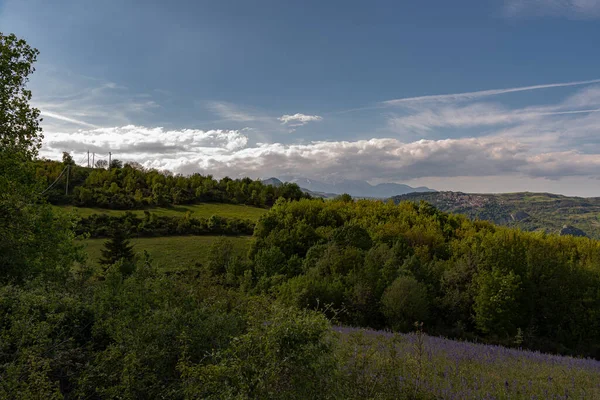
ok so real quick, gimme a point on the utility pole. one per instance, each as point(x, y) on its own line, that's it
point(93, 160)
point(67, 186)
point(109, 160)
point(88, 158)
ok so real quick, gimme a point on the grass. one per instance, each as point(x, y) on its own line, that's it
point(417, 366)
point(173, 252)
point(205, 210)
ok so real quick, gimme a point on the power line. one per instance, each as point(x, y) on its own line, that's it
point(82, 160)
point(53, 183)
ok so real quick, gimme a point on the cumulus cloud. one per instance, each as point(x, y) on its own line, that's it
point(140, 143)
point(221, 153)
point(298, 119)
point(551, 141)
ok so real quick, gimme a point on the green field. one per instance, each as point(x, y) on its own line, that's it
point(202, 210)
point(173, 252)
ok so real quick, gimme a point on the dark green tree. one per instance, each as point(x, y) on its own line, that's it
point(118, 249)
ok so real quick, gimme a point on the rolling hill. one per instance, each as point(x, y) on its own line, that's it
point(551, 213)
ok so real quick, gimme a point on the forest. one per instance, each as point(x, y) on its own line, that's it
point(286, 319)
point(130, 186)
point(387, 265)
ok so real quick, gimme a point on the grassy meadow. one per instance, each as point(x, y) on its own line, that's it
point(173, 252)
point(202, 210)
point(416, 366)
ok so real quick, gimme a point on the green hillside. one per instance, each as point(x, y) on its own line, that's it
point(171, 253)
point(202, 210)
point(528, 211)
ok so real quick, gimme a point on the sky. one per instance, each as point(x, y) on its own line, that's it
point(472, 96)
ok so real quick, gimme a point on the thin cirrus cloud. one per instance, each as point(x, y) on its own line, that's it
point(569, 124)
point(475, 115)
point(466, 96)
point(550, 141)
point(231, 112)
point(67, 119)
point(584, 9)
point(76, 104)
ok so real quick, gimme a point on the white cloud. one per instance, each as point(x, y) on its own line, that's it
point(476, 115)
point(69, 104)
point(138, 143)
point(466, 96)
point(584, 9)
point(232, 112)
point(59, 117)
point(221, 153)
point(298, 119)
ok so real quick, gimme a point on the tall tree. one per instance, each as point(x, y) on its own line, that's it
point(34, 239)
point(20, 129)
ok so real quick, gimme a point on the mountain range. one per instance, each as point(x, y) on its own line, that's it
point(355, 188)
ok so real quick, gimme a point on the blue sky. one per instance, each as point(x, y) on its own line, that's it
point(385, 91)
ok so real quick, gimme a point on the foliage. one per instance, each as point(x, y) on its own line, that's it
point(130, 186)
point(388, 265)
point(404, 302)
point(34, 239)
point(20, 131)
point(149, 335)
point(239, 328)
point(151, 225)
point(285, 353)
point(117, 249)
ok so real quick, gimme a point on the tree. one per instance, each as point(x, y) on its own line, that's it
point(345, 198)
point(101, 164)
point(35, 239)
point(20, 129)
point(116, 164)
point(118, 249)
point(67, 159)
point(405, 302)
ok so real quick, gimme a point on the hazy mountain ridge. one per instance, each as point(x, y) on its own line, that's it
point(355, 188)
point(551, 213)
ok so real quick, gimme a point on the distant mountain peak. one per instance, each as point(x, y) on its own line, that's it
point(272, 181)
point(355, 188)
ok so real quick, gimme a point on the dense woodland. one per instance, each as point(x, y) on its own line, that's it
point(386, 266)
point(259, 327)
point(130, 186)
